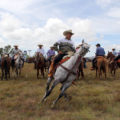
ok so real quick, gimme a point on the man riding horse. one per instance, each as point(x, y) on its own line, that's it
point(50, 53)
point(39, 51)
point(99, 52)
point(15, 52)
point(63, 47)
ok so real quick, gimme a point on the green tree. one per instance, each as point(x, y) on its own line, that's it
point(7, 48)
point(1, 51)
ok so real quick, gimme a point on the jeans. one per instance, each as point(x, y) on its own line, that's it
point(58, 58)
point(117, 58)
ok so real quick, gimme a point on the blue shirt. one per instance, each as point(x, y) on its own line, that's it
point(100, 51)
point(50, 53)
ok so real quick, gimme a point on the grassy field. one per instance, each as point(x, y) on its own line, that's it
point(92, 99)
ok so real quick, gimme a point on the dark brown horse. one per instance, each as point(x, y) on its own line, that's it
point(40, 64)
point(5, 67)
point(80, 71)
point(112, 65)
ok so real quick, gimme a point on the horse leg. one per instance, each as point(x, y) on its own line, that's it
point(2, 74)
point(64, 87)
point(9, 73)
point(82, 73)
point(37, 73)
point(96, 72)
point(48, 83)
point(49, 91)
point(42, 71)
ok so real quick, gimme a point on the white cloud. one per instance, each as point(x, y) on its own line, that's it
point(106, 3)
point(15, 5)
point(14, 32)
point(114, 12)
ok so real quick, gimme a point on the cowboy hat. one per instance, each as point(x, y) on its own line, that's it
point(40, 45)
point(68, 31)
point(98, 44)
point(52, 47)
point(15, 45)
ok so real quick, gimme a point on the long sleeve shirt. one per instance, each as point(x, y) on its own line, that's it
point(64, 45)
point(114, 53)
point(50, 53)
point(41, 51)
point(100, 51)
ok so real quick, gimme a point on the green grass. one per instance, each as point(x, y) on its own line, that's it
point(92, 99)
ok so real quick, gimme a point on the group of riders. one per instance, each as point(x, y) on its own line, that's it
point(63, 47)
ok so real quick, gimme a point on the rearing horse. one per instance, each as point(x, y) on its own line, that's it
point(66, 73)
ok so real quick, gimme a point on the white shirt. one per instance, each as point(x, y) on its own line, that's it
point(114, 53)
point(41, 51)
point(16, 51)
point(64, 40)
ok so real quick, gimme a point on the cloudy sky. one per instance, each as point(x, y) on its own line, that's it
point(30, 22)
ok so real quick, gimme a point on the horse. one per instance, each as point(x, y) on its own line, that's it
point(112, 64)
point(48, 62)
point(5, 66)
point(40, 64)
point(66, 73)
point(17, 64)
point(80, 71)
point(101, 65)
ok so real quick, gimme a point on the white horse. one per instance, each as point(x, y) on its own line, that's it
point(18, 64)
point(66, 73)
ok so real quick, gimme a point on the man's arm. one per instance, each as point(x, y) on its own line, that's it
point(97, 52)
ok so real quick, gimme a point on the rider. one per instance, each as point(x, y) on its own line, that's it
point(62, 46)
point(114, 52)
point(50, 53)
point(118, 57)
point(40, 50)
point(15, 51)
point(99, 52)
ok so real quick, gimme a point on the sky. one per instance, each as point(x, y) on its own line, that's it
point(28, 23)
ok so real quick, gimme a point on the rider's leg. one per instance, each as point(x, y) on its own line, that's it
point(117, 58)
point(93, 63)
point(57, 59)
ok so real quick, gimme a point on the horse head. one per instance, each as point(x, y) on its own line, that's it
point(110, 55)
point(83, 49)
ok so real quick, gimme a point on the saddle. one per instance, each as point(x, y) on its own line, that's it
point(118, 61)
point(53, 68)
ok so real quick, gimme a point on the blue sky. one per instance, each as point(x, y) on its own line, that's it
point(30, 22)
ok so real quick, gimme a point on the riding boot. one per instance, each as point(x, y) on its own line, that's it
point(51, 70)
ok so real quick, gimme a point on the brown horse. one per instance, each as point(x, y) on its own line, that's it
point(101, 66)
point(5, 66)
point(40, 64)
point(112, 65)
point(80, 71)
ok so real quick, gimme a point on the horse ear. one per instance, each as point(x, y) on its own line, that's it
point(83, 41)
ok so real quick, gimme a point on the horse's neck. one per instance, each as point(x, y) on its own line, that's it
point(72, 62)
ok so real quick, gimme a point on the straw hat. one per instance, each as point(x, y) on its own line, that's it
point(40, 45)
point(15, 45)
point(68, 31)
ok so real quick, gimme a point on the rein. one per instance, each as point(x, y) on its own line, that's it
point(70, 71)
